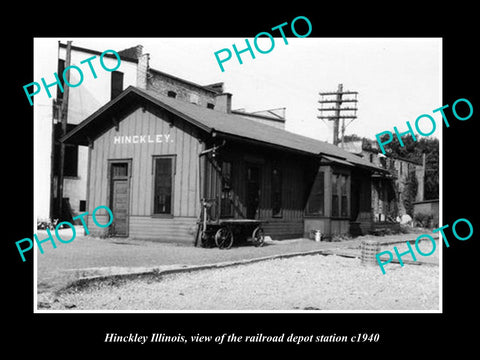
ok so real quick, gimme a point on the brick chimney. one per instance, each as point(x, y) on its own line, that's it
point(142, 70)
point(223, 102)
point(136, 52)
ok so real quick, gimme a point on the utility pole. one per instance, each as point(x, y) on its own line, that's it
point(327, 98)
point(63, 120)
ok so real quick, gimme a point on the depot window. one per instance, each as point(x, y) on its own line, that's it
point(339, 195)
point(163, 180)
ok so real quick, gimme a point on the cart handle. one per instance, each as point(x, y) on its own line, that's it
point(206, 202)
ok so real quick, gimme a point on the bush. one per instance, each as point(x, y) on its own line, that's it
point(410, 192)
point(423, 220)
point(405, 229)
point(337, 237)
point(43, 224)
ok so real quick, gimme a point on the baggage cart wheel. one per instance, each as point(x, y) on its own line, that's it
point(224, 238)
point(258, 236)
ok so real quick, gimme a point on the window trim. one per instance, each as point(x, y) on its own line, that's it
point(172, 198)
point(121, 160)
point(340, 195)
point(335, 181)
point(84, 207)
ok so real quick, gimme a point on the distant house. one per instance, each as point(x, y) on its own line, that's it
point(388, 188)
point(144, 163)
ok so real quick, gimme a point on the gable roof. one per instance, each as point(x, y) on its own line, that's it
point(211, 121)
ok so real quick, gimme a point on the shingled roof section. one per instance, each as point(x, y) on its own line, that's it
point(212, 121)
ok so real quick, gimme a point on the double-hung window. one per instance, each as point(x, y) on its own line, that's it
point(163, 179)
point(340, 195)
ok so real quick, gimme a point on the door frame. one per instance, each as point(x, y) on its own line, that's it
point(259, 166)
point(127, 178)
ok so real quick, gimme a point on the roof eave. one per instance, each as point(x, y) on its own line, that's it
point(78, 137)
point(227, 136)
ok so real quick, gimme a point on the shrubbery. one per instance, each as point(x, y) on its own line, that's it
point(423, 220)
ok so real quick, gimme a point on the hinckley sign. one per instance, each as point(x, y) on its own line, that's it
point(142, 139)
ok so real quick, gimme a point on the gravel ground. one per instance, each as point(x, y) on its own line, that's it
point(424, 246)
point(314, 282)
point(94, 256)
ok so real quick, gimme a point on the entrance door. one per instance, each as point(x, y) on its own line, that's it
point(119, 197)
point(253, 191)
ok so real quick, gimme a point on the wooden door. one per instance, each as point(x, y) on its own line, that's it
point(252, 191)
point(119, 197)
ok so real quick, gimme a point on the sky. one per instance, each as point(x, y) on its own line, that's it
point(397, 79)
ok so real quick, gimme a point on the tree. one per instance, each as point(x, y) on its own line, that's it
point(352, 137)
point(410, 192)
point(413, 151)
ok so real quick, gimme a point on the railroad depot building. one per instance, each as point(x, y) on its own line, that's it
point(153, 156)
point(83, 100)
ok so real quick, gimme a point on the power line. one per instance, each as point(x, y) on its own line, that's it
point(339, 112)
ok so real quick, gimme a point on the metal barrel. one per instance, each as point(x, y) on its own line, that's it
point(369, 249)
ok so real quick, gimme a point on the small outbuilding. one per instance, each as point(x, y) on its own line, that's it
point(153, 157)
